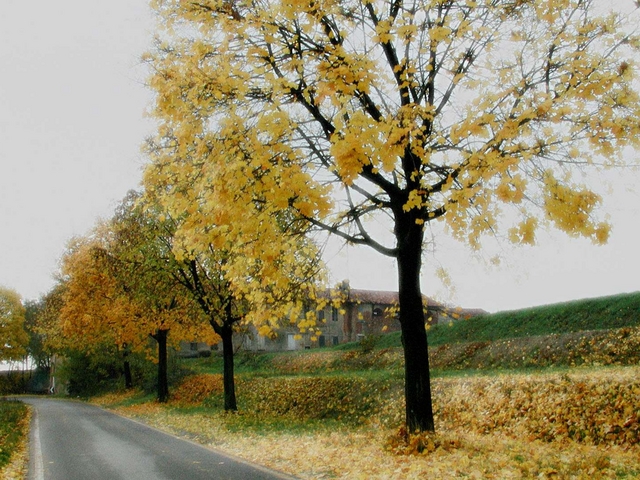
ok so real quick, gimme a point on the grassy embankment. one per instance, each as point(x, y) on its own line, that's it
point(14, 426)
point(550, 391)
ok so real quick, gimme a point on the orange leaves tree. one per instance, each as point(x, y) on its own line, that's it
point(118, 291)
point(469, 112)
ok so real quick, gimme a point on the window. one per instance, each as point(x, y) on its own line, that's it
point(377, 312)
point(336, 340)
point(193, 346)
point(334, 314)
point(321, 315)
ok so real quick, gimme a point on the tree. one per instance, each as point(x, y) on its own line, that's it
point(95, 315)
point(476, 113)
point(261, 296)
point(118, 293)
point(142, 261)
point(46, 327)
point(37, 349)
point(15, 340)
point(203, 276)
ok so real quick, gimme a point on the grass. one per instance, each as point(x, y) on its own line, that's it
point(583, 315)
point(620, 346)
point(13, 429)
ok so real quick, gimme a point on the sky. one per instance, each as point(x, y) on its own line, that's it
point(72, 103)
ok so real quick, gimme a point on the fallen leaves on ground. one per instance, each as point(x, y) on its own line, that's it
point(595, 407)
point(503, 426)
point(361, 454)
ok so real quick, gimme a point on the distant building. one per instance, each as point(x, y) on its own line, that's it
point(194, 349)
point(360, 313)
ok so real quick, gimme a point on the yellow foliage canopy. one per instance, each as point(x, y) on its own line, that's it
point(280, 117)
point(448, 109)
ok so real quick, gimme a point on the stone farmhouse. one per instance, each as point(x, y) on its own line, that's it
point(361, 313)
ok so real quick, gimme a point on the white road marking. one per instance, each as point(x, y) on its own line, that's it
point(38, 468)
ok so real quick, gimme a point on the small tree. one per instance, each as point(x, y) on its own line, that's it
point(116, 292)
point(231, 288)
point(406, 112)
point(37, 349)
point(13, 346)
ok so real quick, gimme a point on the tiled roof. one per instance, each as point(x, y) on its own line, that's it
point(381, 297)
point(473, 312)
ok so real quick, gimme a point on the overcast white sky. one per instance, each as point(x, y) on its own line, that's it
point(71, 124)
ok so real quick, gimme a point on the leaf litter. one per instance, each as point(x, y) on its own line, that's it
point(583, 424)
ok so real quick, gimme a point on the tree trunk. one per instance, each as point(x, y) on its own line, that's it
point(163, 380)
point(228, 374)
point(419, 409)
point(128, 379)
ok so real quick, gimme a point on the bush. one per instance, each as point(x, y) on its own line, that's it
point(12, 383)
point(87, 375)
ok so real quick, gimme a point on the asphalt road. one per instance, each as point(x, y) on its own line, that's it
point(75, 441)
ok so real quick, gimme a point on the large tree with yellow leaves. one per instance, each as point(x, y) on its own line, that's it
point(464, 111)
point(229, 304)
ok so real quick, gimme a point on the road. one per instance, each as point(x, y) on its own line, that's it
point(75, 441)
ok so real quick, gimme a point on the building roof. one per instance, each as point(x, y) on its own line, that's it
point(473, 312)
point(381, 297)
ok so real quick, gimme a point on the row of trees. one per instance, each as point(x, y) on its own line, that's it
point(359, 113)
point(280, 119)
point(129, 281)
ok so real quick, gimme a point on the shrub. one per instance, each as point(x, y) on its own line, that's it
point(12, 383)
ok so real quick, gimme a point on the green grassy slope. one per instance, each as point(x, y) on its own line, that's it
point(602, 331)
point(582, 315)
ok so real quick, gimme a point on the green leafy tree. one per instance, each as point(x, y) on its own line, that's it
point(142, 261)
point(33, 309)
point(476, 113)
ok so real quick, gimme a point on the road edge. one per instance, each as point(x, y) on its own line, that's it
point(258, 466)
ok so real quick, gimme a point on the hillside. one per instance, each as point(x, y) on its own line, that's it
point(500, 411)
point(595, 332)
point(602, 313)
